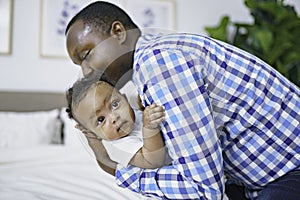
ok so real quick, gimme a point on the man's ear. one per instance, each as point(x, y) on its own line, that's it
point(118, 31)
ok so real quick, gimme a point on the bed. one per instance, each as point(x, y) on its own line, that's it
point(42, 155)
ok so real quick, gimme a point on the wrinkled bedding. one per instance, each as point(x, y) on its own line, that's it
point(59, 172)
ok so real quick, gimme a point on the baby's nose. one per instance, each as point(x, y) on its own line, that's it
point(114, 118)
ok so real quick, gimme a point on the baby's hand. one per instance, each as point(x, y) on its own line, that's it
point(153, 115)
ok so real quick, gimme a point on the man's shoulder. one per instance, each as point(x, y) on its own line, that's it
point(168, 42)
point(162, 38)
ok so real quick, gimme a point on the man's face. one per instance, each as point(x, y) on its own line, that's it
point(96, 52)
point(105, 112)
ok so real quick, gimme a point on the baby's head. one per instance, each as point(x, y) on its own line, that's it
point(100, 108)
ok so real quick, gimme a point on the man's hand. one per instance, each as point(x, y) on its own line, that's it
point(87, 133)
point(101, 155)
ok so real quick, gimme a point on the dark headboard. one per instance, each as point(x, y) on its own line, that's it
point(30, 101)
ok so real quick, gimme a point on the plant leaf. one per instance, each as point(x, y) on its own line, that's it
point(220, 31)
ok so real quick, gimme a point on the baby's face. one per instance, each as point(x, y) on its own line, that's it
point(105, 112)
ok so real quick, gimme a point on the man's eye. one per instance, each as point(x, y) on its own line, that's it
point(100, 120)
point(115, 104)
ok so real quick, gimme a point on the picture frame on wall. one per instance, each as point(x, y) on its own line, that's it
point(155, 14)
point(6, 13)
point(55, 16)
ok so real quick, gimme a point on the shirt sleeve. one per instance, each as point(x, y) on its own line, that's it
point(174, 80)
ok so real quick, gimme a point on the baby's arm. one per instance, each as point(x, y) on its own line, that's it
point(153, 152)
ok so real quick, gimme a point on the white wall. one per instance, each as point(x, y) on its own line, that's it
point(25, 70)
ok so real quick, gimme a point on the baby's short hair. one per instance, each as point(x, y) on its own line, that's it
point(80, 88)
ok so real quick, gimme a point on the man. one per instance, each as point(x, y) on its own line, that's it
point(228, 114)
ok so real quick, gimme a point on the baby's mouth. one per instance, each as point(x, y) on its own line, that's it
point(120, 127)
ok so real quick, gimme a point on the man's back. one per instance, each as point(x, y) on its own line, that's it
point(255, 110)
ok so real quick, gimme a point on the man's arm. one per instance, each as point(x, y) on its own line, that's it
point(102, 157)
point(197, 168)
point(196, 171)
point(103, 160)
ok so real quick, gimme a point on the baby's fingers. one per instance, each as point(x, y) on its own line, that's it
point(156, 116)
point(156, 109)
point(157, 120)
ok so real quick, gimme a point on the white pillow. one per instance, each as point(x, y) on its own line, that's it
point(72, 136)
point(23, 129)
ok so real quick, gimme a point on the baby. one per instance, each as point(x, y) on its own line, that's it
point(129, 135)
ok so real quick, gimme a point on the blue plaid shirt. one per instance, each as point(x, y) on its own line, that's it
point(228, 114)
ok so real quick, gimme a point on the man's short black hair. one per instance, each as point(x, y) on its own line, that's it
point(100, 15)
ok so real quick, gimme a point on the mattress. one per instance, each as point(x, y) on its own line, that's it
point(56, 172)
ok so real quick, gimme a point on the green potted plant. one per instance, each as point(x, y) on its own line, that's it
point(274, 35)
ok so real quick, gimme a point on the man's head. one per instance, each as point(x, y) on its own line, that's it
point(102, 37)
point(99, 107)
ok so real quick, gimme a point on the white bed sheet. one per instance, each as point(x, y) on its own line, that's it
point(56, 172)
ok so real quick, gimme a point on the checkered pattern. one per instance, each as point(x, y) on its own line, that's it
point(227, 114)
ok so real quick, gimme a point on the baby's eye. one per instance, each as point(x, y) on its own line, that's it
point(115, 104)
point(100, 120)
